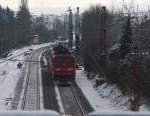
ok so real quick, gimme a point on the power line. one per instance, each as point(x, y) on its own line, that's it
point(12, 57)
point(26, 60)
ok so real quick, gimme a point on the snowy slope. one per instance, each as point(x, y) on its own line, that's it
point(104, 98)
point(9, 74)
point(98, 103)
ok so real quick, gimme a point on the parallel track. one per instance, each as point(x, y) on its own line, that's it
point(26, 87)
point(31, 94)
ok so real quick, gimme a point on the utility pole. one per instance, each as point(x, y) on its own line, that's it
point(70, 29)
point(77, 42)
point(64, 24)
point(137, 87)
point(138, 52)
point(103, 37)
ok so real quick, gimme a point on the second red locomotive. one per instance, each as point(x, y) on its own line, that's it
point(62, 64)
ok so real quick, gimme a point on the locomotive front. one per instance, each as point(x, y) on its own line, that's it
point(63, 64)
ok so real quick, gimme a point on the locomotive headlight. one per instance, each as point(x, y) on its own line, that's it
point(57, 69)
point(70, 69)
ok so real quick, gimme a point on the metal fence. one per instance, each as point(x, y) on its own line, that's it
point(29, 113)
point(119, 114)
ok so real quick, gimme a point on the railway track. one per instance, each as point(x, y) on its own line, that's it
point(49, 93)
point(31, 93)
point(78, 102)
point(71, 103)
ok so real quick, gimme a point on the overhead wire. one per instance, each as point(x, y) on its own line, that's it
point(8, 59)
point(42, 7)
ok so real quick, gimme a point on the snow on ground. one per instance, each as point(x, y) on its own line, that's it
point(98, 103)
point(59, 100)
point(106, 97)
point(9, 74)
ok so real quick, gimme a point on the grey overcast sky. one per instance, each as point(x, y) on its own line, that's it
point(59, 6)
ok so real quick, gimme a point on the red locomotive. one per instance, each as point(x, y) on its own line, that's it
point(63, 64)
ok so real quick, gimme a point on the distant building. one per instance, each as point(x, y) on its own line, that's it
point(35, 39)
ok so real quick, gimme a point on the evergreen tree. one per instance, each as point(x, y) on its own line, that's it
point(90, 43)
point(6, 27)
point(10, 29)
point(126, 39)
point(23, 25)
point(40, 28)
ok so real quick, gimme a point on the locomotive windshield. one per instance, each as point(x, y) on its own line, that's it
point(63, 60)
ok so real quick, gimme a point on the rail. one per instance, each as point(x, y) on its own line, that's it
point(69, 98)
point(80, 106)
point(25, 88)
point(30, 87)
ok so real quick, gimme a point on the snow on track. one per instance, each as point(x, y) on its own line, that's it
point(7, 83)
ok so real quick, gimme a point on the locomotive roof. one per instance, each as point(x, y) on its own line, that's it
point(61, 50)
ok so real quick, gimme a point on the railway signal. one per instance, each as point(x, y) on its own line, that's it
point(65, 25)
point(136, 89)
point(77, 36)
point(77, 21)
point(70, 29)
point(103, 37)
